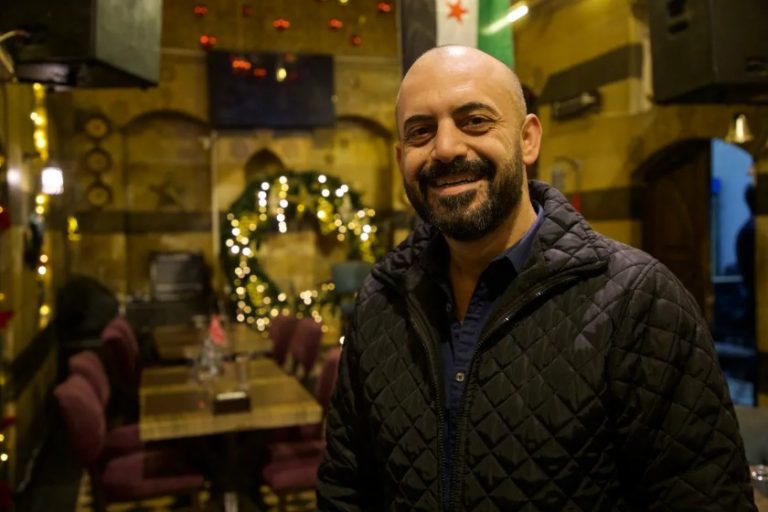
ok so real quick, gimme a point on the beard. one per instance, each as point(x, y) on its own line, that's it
point(454, 215)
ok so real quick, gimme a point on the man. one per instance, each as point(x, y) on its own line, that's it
point(506, 356)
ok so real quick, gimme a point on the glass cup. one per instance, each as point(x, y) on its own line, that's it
point(243, 371)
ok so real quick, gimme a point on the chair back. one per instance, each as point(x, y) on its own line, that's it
point(305, 345)
point(88, 364)
point(281, 330)
point(83, 416)
point(323, 391)
point(118, 339)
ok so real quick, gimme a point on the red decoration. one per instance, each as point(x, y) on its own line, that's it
point(207, 41)
point(216, 331)
point(384, 7)
point(5, 317)
point(335, 24)
point(6, 422)
point(260, 72)
point(200, 10)
point(241, 66)
point(457, 11)
point(356, 40)
point(247, 10)
point(5, 219)
point(281, 24)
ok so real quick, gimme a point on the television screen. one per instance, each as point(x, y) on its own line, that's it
point(270, 90)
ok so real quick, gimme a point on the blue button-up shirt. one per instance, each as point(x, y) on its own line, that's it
point(459, 343)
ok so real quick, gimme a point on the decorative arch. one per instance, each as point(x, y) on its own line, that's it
point(262, 164)
point(167, 115)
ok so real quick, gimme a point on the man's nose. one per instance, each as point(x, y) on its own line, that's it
point(448, 144)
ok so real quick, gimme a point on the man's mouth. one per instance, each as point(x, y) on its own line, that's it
point(450, 181)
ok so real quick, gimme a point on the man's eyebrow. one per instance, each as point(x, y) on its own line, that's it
point(415, 119)
point(472, 106)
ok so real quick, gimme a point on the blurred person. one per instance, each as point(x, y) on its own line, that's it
point(508, 357)
point(745, 258)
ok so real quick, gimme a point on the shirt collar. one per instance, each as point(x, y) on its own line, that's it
point(435, 257)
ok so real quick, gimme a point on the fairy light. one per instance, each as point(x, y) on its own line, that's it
point(325, 197)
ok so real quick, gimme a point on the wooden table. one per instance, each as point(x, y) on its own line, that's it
point(177, 342)
point(173, 405)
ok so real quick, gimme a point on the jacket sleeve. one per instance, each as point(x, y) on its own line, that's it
point(678, 437)
point(342, 480)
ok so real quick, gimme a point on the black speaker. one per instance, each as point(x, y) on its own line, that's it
point(84, 43)
point(709, 51)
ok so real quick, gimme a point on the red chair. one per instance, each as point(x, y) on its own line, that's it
point(134, 477)
point(290, 476)
point(305, 346)
point(88, 364)
point(281, 330)
point(120, 352)
point(119, 440)
point(308, 440)
point(120, 343)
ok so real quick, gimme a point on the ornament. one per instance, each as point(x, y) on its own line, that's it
point(335, 24)
point(207, 41)
point(5, 317)
point(281, 24)
point(5, 219)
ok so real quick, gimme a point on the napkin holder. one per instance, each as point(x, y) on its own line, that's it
point(231, 401)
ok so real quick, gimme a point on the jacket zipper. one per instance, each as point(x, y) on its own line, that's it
point(420, 326)
point(457, 458)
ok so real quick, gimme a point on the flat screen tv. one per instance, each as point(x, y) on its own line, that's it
point(270, 90)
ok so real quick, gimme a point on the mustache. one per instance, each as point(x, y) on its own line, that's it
point(482, 168)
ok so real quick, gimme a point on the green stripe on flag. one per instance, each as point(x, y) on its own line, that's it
point(499, 44)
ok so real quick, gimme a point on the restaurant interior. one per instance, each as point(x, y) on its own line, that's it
point(191, 192)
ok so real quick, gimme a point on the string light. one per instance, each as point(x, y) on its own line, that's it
point(284, 198)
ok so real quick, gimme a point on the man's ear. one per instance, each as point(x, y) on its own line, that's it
point(399, 156)
point(530, 139)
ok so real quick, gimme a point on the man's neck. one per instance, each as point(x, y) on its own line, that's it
point(469, 259)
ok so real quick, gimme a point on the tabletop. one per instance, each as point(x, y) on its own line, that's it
point(174, 405)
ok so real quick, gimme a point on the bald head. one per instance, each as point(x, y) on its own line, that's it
point(438, 64)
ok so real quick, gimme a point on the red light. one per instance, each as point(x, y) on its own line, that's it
point(281, 24)
point(200, 10)
point(260, 72)
point(247, 10)
point(207, 41)
point(356, 40)
point(335, 24)
point(384, 7)
point(241, 65)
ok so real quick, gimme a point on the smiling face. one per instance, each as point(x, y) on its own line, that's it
point(464, 138)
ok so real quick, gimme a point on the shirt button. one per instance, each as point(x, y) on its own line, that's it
point(459, 377)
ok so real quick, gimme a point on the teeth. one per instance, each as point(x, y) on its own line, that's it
point(456, 182)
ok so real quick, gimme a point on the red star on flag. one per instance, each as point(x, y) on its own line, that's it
point(457, 10)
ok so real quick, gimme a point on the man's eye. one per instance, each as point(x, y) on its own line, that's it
point(418, 132)
point(476, 122)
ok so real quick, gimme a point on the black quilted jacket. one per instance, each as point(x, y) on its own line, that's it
point(594, 388)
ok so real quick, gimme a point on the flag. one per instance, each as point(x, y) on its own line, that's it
point(425, 24)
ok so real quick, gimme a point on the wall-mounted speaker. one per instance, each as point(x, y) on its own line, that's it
point(709, 51)
point(85, 43)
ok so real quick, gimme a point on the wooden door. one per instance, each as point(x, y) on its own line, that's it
point(676, 215)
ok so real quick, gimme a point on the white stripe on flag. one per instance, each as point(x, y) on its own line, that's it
point(456, 22)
